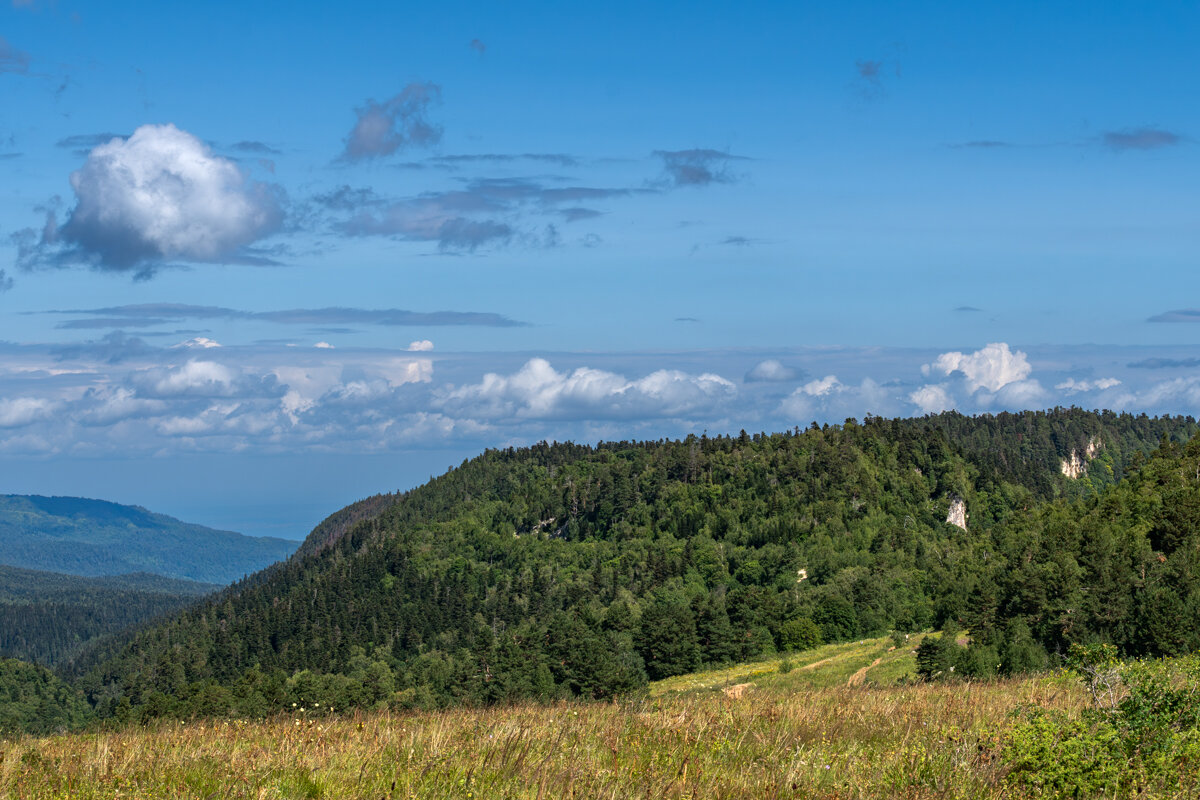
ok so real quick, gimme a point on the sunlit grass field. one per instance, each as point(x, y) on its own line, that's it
point(835, 722)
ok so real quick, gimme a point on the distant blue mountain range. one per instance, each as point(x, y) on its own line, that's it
point(79, 536)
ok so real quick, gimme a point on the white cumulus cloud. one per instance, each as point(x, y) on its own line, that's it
point(538, 391)
point(932, 399)
point(821, 387)
point(162, 194)
point(205, 378)
point(420, 346)
point(18, 411)
point(991, 368)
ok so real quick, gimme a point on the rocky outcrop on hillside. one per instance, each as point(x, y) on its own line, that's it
point(1074, 466)
point(957, 515)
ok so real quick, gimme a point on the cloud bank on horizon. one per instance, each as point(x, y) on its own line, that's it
point(124, 396)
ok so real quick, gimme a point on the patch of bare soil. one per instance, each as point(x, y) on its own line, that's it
point(857, 678)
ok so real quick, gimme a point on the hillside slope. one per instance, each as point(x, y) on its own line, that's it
point(50, 617)
point(86, 537)
point(563, 570)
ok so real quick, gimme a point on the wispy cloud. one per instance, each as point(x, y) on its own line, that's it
point(559, 159)
point(395, 124)
point(869, 70)
point(1164, 363)
point(86, 141)
point(578, 213)
point(982, 144)
point(255, 148)
point(1178, 315)
point(113, 348)
point(153, 314)
point(13, 60)
point(696, 167)
point(1146, 138)
point(869, 74)
point(483, 212)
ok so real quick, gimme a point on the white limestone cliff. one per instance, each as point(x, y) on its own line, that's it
point(958, 513)
point(1074, 466)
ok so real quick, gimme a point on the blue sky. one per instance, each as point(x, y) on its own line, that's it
point(260, 260)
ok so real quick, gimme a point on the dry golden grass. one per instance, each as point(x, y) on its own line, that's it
point(781, 739)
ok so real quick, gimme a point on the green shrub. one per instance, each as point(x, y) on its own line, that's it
point(1051, 756)
point(800, 633)
point(1141, 735)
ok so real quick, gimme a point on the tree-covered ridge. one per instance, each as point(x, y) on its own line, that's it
point(35, 586)
point(568, 569)
point(337, 524)
point(93, 537)
point(50, 617)
point(1029, 447)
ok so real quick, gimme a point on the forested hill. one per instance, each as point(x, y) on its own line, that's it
point(1028, 448)
point(86, 537)
point(572, 570)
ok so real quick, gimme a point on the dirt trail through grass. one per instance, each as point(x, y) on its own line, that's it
point(858, 677)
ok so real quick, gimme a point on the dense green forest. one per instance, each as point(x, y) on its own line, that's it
point(1030, 447)
point(93, 537)
point(35, 700)
point(49, 617)
point(569, 570)
point(1119, 568)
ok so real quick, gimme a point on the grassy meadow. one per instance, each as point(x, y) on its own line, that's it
point(833, 722)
